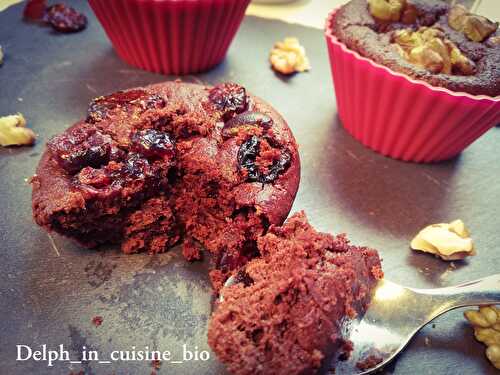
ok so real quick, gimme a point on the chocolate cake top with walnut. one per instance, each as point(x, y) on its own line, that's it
point(153, 165)
point(428, 40)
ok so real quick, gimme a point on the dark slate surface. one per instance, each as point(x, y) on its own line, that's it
point(50, 292)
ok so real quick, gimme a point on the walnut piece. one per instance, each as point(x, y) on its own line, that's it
point(494, 41)
point(449, 241)
point(476, 28)
point(387, 10)
point(13, 131)
point(427, 58)
point(486, 323)
point(289, 56)
point(430, 49)
point(456, 16)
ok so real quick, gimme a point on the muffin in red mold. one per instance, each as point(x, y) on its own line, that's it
point(398, 108)
point(170, 36)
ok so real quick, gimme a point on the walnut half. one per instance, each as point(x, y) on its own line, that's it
point(387, 10)
point(288, 57)
point(430, 49)
point(447, 241)
point(486, 323)
point(13, 131)
point(393, 11)
point(476, 28)
point(494, 41)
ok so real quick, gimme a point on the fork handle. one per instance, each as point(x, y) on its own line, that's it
point(485, 291)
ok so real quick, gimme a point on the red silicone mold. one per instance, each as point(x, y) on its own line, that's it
point(400, 117)
point(171, 36)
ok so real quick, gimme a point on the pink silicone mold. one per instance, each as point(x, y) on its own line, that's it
point(171, 36)
point(400, 117)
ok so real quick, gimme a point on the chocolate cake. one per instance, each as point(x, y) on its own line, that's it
point(427, 40)
point(285, 310)
point(153, 165)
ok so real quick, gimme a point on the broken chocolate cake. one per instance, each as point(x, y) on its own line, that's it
point(284, 311)
point(151, 166)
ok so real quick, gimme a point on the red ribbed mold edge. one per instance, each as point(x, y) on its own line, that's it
point(400, 117)
point(170, 36)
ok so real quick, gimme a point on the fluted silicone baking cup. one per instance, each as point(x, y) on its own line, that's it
point(400, 117)
point(170, 36)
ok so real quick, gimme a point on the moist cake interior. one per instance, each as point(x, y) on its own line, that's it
point(285, 311)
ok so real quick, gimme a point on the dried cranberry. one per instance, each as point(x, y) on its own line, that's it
point(246, 119)
point(35, 9)
point(136, 167)
point(156, 364)
point(65, 19)
point(97, 178)
point(248, 152)
point(212, 189)
point(247, 155)
point(229, 98)
point(115, 175)
point(127, 101)
point(116, 153)
point(153, 143)
point(244, 278)
point(277, 168)
point(149, 101)
point(81, 147)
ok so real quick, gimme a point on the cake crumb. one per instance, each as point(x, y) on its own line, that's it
point(190, 250)
point(449, 241)
point(446, 273)
point(216, 279)
point(345, 350)
point(427, 341)
point(289, 56)
point(13, 131)
point(97, 320)
point(372, 359)
point(156, 364)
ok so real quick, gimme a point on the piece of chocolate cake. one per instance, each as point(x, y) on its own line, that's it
point(151, 165)
point(286, 308)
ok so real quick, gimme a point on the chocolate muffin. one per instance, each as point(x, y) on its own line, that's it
point(153, 165)
point(427, 40)
point(285, 310)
